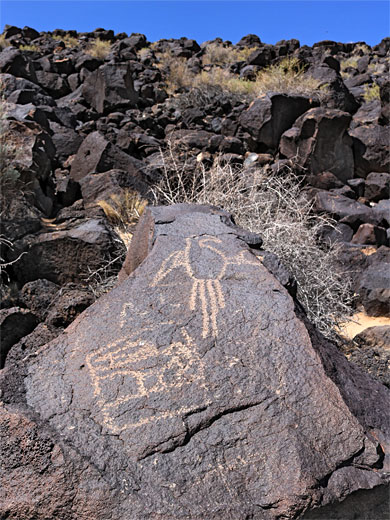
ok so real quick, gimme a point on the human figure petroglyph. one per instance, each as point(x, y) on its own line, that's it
point(206, 288)
point(141, 370)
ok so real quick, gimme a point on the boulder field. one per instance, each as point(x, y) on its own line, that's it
point(196, 388)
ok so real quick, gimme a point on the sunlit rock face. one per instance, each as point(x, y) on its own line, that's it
point(194, 389)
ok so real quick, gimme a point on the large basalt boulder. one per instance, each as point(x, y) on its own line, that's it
point(110, 87)
point(14, 324)
point(195, 389)
point(371, 149)
point(96, 154)
point(320, 142)
point(62, 255)
point(13, 61)
point(272, 114)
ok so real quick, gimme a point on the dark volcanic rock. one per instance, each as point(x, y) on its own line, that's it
point(96, 154)
point(14, 324)
point(272, 114)
point(196, 390)
point(373, 352)
point(110, 87)
point(320, 142)
point(371, 149)
point(65, 255)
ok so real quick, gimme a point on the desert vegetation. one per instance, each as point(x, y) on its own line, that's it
point(99, 49)
point(272, 204)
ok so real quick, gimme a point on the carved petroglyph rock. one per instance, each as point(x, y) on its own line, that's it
point(197, 390)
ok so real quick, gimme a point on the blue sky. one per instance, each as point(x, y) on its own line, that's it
point(309, 21)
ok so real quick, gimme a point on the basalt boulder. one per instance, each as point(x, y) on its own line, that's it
point(272, 114)
point(110, 87)
point(194, 389)
point(320, 142)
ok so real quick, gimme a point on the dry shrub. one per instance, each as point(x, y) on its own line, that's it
point(371, 92)
point(177, 73)
point(3, 42)
point(31, 48)
point(123, 212)
point(271, 204)
point(217, 54)
point(288, 77)
point(99, 49)
point(69, 41)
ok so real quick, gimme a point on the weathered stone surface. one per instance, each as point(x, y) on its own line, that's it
point(377, 186)
point(196, 389)
point(38, 296)
point(110, 87)
point(374, 289)
point(372, 352)
point(63, 255)
point(100, 186)
point(371, 149)
point(14, 324)
point(272, 114)
point(96, 154)
point(320, 142)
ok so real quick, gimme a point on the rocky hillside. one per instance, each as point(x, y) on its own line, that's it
point(92, 127)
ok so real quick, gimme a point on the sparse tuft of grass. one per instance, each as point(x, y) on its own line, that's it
point(31, 48)
point(371, 92)
point(217, 54)
point(3, 42)
point(69, 41)
point(288, 77)
point(99, 49)
point(272, 205)
point(123, 212)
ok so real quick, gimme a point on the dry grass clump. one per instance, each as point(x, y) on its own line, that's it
point(99, 49)
point(69, 41)
point(177, 73)
point(217, 54)
point(371, 92)
point(31, 48)
point(286, 77)
point(123, 212)
point(3, 42)
point(272, 205)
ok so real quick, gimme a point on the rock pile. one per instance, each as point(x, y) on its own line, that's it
point(195, 389)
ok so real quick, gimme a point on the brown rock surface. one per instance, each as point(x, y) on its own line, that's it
point(195, 389)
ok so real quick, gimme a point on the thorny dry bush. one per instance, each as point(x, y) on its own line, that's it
point(273, 205)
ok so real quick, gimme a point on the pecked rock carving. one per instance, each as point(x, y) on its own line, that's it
point(197, 389)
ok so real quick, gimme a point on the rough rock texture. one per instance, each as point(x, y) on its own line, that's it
point(320, 141)
point(195, 389)
point(270, 115)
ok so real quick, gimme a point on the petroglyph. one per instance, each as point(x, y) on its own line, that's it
point(129, 370)
point(206, 287)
